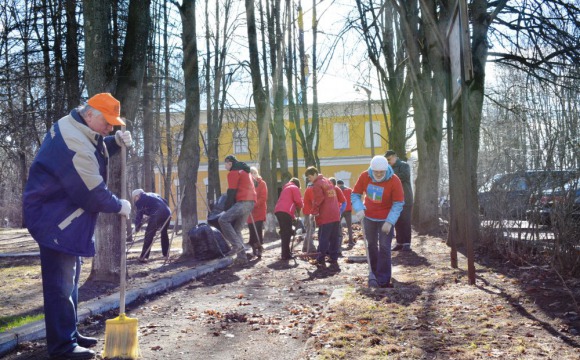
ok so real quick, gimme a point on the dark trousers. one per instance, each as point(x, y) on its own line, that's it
point(379, 245)
point(403, 226)
point(327, 244)
point(60, 285)
point(155, 223)
point(285, 223)
point(256, 241)
point(347, 215)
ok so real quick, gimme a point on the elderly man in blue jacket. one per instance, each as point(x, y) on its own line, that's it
point(157, 209)
point(65, 192)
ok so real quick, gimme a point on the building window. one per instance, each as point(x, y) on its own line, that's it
point(344, 176)
point(341, 136)
point(376, 133)
point(240, 141)
point(315, 139)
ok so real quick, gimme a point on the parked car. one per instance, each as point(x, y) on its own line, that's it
point(562, 202)
point(508, 195)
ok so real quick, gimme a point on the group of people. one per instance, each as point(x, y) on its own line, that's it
point(67, 189)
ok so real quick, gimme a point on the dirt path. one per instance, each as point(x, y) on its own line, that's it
point(276, 309)
point(263, 310)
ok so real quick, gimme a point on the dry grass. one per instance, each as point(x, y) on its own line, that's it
point(432, 313)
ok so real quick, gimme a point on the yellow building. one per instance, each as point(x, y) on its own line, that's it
point(344, 148)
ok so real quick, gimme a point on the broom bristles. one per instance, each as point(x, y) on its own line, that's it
point(121, 338)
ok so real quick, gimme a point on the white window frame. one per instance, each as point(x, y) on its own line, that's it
point(376, 130)
point(341, 136)
point(240, 141)
point(344, 176)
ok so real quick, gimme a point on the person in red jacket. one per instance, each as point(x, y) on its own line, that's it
point(327, 214)
point(341, 206)
point(309, 225)
point(289, 202)
point(241, 197)
point(382, 206)
point(347, 213)
point(258, 215)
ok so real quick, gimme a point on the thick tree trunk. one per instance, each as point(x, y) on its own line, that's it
point(261, 104)
point(148, 127)
point(106, 265)
point(188, 162)
point(428, 98)
point(466, 204)
point(71, 70)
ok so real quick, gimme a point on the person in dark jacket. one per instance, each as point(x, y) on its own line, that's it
point(65, 192)
point(159, 214)
point(403, 225)
point(241, 198)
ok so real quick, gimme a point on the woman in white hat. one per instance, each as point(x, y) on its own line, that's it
point(383, 203)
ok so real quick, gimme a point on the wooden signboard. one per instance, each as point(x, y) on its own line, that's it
point(459, 50)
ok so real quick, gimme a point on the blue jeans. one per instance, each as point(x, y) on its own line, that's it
point(60, 284)
point(327, 241)
point(238, 215)
point(379, 245)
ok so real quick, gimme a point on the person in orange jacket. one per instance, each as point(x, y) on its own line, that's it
point(327, 214)
point(309, 224)
point(378, 213)
point(258, 215)
point(289, 202)
point(341, 206)
point(347, 213)
point(241, 198)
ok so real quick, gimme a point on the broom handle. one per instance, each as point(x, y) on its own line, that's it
point(123, 229)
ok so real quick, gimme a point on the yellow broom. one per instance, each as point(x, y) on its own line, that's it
point(121, 332)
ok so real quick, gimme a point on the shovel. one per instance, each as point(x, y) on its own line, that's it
point(372, 279)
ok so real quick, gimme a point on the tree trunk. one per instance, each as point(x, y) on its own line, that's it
point(279, 149)
point(260, 102)
point(428, 99)
point(465, 205)
point(188, 162)
point(169, 136)
point(71, 70)
point(106, 265)
point(148, 133)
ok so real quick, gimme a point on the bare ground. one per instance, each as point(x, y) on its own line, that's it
point(276, 309)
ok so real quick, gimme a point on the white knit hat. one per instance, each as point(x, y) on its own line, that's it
point(379, 163)
point(137, 192)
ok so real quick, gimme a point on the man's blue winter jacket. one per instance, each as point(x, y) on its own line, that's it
point(66, 188)
point(151, 204)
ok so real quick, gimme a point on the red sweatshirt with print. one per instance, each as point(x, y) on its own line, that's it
point(325, 203)
point(379, 195)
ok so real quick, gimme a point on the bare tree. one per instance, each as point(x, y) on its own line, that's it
point(217, 81)
point(125, 82)
point(260, 100)
point(188, 161)
point(382, 29)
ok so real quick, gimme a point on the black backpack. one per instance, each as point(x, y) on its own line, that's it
point(208, 242)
